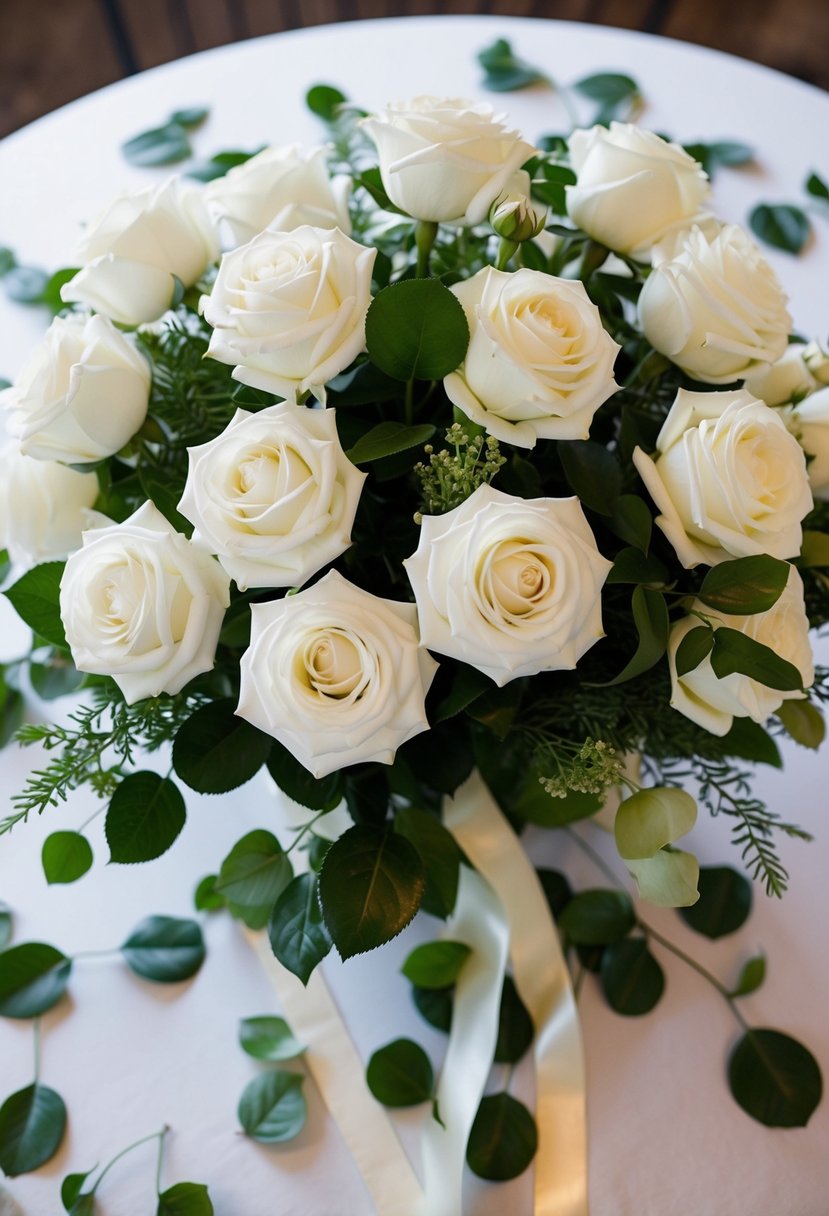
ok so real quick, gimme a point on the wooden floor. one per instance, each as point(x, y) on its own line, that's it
point(52, 51)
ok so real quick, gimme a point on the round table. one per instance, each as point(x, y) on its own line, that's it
point(665, 1135)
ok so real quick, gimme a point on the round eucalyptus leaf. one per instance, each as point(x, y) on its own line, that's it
point(165, 949)
point(32, 1123)
point(215, 751)
point(416, 329)
point(774, 1078)
point(503, 1140)
point(651, 818)
point(144, 817)
point(632, 979)
point(597, 918)
point(724, 904)
point(668, 879)
point(272, 1107)
point(435, 1006)
point(515, 1026)
point(268, 1038)
point(803, 722)
point(436, 964)
point(781, 225)
point(33, 978)
point(400, 1074)
point(185, 1199)
point(66, 857)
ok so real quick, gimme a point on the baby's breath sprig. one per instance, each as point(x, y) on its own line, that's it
point(448, 480)
point(591, 768)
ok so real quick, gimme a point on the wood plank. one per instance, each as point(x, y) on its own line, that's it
point(156, 30)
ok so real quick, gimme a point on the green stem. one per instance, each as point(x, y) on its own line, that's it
point(36, 1031)
point(506, 249)
point(691, 962)
point(425, 233)
point(94, 953)
point(92, 817)
point(306, 827)
point(136, 1144)
point(160, 1158)
point(567, 102)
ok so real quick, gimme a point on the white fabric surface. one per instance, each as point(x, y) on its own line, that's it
point(665, 1135)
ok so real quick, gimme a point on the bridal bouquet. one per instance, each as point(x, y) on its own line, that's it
point(426, 452)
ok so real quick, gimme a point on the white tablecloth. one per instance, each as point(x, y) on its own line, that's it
point(665, 1135)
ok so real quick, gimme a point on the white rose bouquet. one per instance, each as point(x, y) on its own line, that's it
point(368, 500)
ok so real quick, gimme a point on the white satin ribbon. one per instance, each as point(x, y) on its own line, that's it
point(543, 981)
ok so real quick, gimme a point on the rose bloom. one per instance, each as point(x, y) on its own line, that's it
point(280, 188)
point(633, 187)
point(445, 160)
point(82, 395)
point(809, 423)
point(509, 585)
point(289, 309)
point(787, 380)
point(336, 675)
point(713, 305)
point(714, 703)
point(274, 495)
point(133, 253)
point(728, 478)
point(143, 604)
point(43, 506)
point(539, 362)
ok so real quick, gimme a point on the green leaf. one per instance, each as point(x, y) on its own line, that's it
point(780, 225)
point(515, 1027)
point(325, 100)
point(817, 187)
point(293, 778)
point(185, 1199)
point(370, 886)
point(215, 751)
point(440, 854)
point(750, 741)
point(71, 1187)
point(33, 978)
point(84, 1205)
point(7, 260)
point(32, 1123)
point(297, 933)
point(724, 904)
point(268, 1038)
point(416, 329)
point(632, 566)
point(12, 712)
point(505, 72)
point(557, 890)
point(737, 652)
point(745, 586)
point(815, 550)
point(160, 146)
point(206, 898)
point(165, 949)
point(650, 616)
point(253, 875)
point(66, 857)
point(594, 473)
point(6, 925)
point(803, 722)
point(145, 815)
point(217, 166)
point(694, 648)
point(191, 116)
point(651, 818)
point(57, 678)
point(632, 521)
point(723, 153)
point(400, 1074)
point(25, 284)
point(608, 88)
point(36, 599)
point(503, 1139)
point(668, 879)
point(436, 964)
point(632, 979)
point(387, 438)
point(774, 1078)
point(435, 1006)
point(597, 918)
point(752, 975)
point(272, 1107)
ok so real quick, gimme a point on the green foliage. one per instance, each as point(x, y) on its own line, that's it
point(435, 1006)
point(6, 925)
point(297, 932)
point(252, 877)
point(781, 225)
point(33, 978)
point(803, 722)
point(745, 586)
point(416, 329)
point(165, 949)
point(400, 1074)
point(735, 652)
point(650, 615)
point(268, 1038)
point(205, 897)
point(503, 1139)
point(725, 899)
point(515, 1027)
point(774, 1078)
point(448, 478)
point(215, 750)
point(441, 856)
point(597, 918)
point(34, 597)
point(436, 964)
point(387, 438)
point(66, 857)
point(293, 778)
point(632, 979)
point(725, 153)
point(505, 72)
point(616, 94)
point(324, 100)
point(32, 1124)
point(145, 816)
point(272, 1107)
point(167, 144)
point(751, 976)
point(185, 1199)
point(652, 818)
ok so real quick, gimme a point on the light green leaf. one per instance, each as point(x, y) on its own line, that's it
point(66, 857)
point(269, 1038)
point(436, 964)
point(165, 949)
point(609, 88)
point(651, 818)
point(416, 329)
point(253, 875)
point(505, 72)
point(191, 116)
point(803, 722)
point(272, 1107)
point(400, 1074)
point(325, 100)
point(205, 897)
point(725, 153)
point(815, 550)
point(668, 879)
point(752, 975)
point(32, 1123)
point(160, 146)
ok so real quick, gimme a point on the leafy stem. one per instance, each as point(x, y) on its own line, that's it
point(159, 1135)
point(649, 931)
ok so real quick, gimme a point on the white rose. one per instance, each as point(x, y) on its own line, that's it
point(786, 380)
point(43, 506)
point(728, 477)
point(280, 188)
point(809, 422)
point(713, 305)
point(274, 495)
point(336, 675)
point(143, 604)
point(509, 585)
point(539, 362)
point(289, 309)
point(131, 253)
point(817, 361)
point(633, 187)
point(82, 395)
point(445, 160)
point(714, 703)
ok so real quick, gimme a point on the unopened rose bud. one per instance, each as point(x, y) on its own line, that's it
point(817, 361)
point(515, 219)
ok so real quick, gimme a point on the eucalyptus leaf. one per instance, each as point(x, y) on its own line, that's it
point(515, 1026)
point(751, 976)
point(12, 712)
point(668, 879)
point(35, 597)
point(185, 1199)
point(66, 857)
point(145, 816)
point(272, 1108)
point(694, 648)
point(400, 1074)
point(746, 585)
point(597, 918)
point(650, 615)
point(781, 225)
point(651, 818)
point(269, 1038)
point(165, 949)
point(632, 979)
point(725, 898)
point(441, 856)
point(723, 153)
point(163, 145)
point(33, 978)
point(774, 1078)
point(297, 933)
point(7, 260)
point(57, 678)
point(32, 1124)
point(215, 751)
point(803, 722)
point(608, 88)
point(387, 438)
point(505, 72)
point(252, 877)
point(734, 651)
point(416, 329)
point(436, 964)
point(503, 1139)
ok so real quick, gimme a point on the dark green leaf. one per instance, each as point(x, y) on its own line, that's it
point(185, 1199)
point(436, 964)
point(32, 1123)
point(367, 793)
point(803, 722)
point(632, 521)
point(774, 1078)
point(293, 778)
point(724, 153)
point(66, 857)
point(33, 978)
point(746, 585)
point(144, 817)
point(253, 875)
point(12, 712)
point(70, 1188)
point(503, 1140)
point(165, 949)
point(6, 925)
point(435, 1006)
point(297, 933)
point(593, 473)
point(781, 225)
point(36, 599)
point(737, 652)
point(752, 976)
point(272, 1107)
point(515, 1027)
point(597, 918)
point(724, 902)
point(268, 1038)
point(505, 72)
point(693, 649)
point(191, 116)
point(324, 100)
point(84, 1205)
point(215, 751)
point(206, 898)
point(650, 615)
point(815, 549)
point(25, 284)
point(218, 165)
point(817, 187)
point(750, 741)
point(632, 566)
point(416, 329)
point(400, 1074)
point(557, 890)
point(160, 146)
point(632, 979)
point(468, 683)
point(387, 438)
point(440, 854)
point(609, 88)
point(370, 886)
